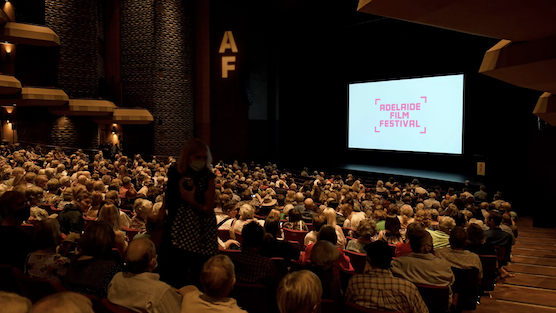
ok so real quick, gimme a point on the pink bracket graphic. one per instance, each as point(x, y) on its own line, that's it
point(376, 100)
point(425, 97)
point(376, 131)
point(422, 132)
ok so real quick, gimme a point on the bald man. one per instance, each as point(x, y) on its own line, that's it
point(309, 211)
point(137, 288)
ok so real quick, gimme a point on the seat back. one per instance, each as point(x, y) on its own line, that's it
point(254, 298)
point(239, 237)
point(294, 235)
point(436, 297)
point(115, 308)
point(465, 288)
point(490, 272)
point(327, 306)
point(345, 276)
point(502, 257)
point(8, 281)
point(280, 264)
point(224, 234)
point(351, 307)
point(29, 229)
point(130, 233)
point(357, 260)
point(33, 288)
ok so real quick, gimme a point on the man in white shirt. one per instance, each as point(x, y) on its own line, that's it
point(138, 288)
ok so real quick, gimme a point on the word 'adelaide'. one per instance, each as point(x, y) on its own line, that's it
point(401, 107)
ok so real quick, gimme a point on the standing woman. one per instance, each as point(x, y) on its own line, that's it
point(190, 224)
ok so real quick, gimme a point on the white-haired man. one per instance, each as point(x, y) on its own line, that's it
point(218, 279)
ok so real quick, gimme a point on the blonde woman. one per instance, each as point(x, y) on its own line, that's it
point(406, 216)
point(111, 215)
point(299, 292)
point(247, 214)
point(330, 215)
point(142, 209)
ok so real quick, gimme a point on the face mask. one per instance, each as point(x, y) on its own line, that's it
point(197, 165)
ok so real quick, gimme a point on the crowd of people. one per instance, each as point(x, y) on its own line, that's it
point(176, 235)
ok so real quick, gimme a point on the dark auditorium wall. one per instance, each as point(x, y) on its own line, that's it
point(157, 68)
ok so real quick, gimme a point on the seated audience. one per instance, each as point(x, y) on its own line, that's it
point(421, 266)
point(95, 266)
point(217, 279)
point(378, 289)
point(246, 215)
point(63, 302)
point(404, 248)
point(142, 208)
point(110, 215)
point(299, 292)
point(391, 234)
point(139, 289)
point(251, 267)
point(456, 256)
point(318, 221)
point(14, 209)
point(227, 216)
point(328, 233)
point(406, 216)
point(35, 195)
point(71, 218)
point(14, 303)
point(273, 247)
point(96, 201)
point(497, 237)
point(294, 221)
point(441, 237)
point(46, 263)
point(330, 215)
point(66, 198)
point(366, 230)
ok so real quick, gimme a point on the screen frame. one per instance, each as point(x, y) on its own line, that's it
point(405, 151)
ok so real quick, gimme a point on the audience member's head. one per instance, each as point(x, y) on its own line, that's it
point(140, 256)
point(218, 276)
point(475, 234)
point(379, 253)
point(14, 303)
point(246, 211)
point(458, 238)
point(110, 214)
point(47, 234)
point(324, 254)
point(272, 226)
point(253, 235)
point(366, 228)
point(494, 219)
point(294, 215)
point(97, 240)
point(14, 206)
point(328, 233)
point(421, 241)
point(318, 221)
point(299, 292)
point(63, 302)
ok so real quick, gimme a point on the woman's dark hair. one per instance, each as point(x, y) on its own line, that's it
point(294, 215)
point(97, 240)
point(47, 234)
point(392, 227)
point(271, 226)
point(475, 233)
point(328, 233)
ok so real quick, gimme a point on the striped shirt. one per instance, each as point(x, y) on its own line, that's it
point(380, 290)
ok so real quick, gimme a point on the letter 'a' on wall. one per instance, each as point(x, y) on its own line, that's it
point(228, 42)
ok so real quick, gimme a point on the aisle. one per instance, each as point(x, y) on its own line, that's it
point(533, 289)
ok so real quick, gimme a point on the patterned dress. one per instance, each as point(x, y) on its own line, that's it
point(49, 266)
point(190, 230)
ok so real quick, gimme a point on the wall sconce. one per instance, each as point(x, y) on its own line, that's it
point(114, 128)
point(8, 118)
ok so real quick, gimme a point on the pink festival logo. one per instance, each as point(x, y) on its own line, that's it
point(400, 115)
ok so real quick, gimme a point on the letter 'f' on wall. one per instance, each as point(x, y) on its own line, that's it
point(228, 42)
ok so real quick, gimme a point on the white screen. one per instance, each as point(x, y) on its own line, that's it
point(419, 114)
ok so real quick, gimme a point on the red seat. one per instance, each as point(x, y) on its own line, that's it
point(224, 234)
point(465, 288)
point(357, 260)
point(33, 288)
point(347, 230)
point(115, 308)
point(490, 272)
point(295, 235)
point(131, 232)
point(239, 237)
point(436, 297)
point(280, 264)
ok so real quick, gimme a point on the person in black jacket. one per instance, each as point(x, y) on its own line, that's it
point(71, 218)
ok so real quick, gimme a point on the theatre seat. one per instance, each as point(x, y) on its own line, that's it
point(224, 234)
point(435, 297)
point(351, 307)
point(295, 235)
point(490, 272)
point(357, 260)
point(33, 288)
point(254, 298)
point(465, 288)
point(130, 232)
